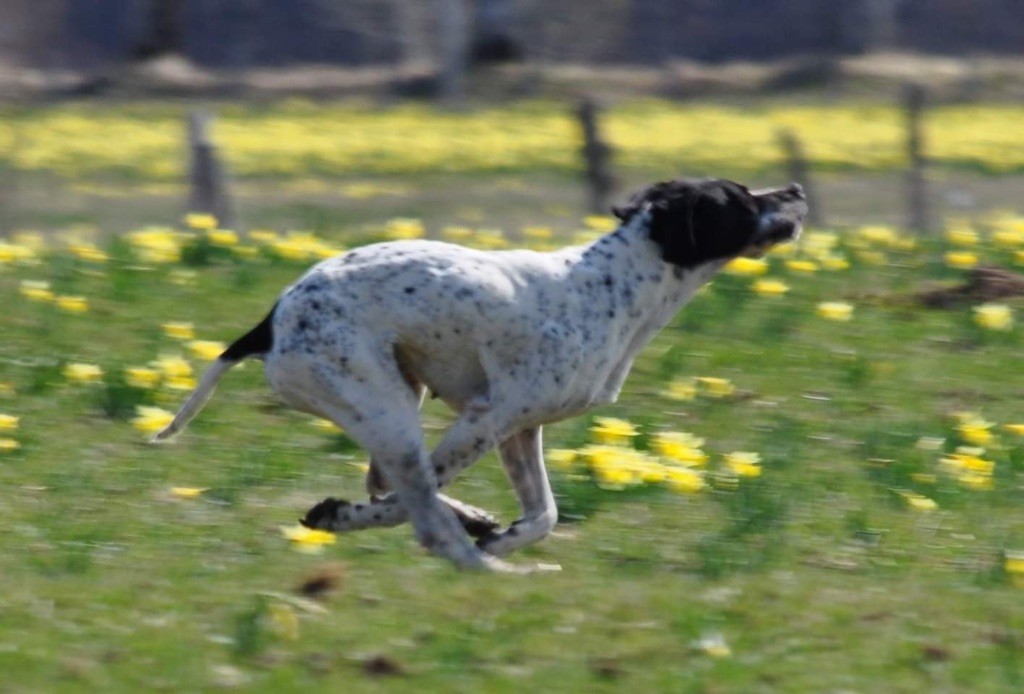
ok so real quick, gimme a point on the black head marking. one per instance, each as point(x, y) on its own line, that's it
point(695, 221)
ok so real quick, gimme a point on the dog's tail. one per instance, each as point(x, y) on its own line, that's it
point(257, 341)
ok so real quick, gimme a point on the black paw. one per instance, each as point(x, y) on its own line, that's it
point(324, 516)
point(478, 525)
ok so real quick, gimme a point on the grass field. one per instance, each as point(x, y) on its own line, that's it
point(864, 549)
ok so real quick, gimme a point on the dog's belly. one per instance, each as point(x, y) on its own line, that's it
point(454, 377)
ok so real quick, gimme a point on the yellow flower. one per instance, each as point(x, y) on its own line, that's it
point(196, 220)
point(804, 266)
point(179, 330)
point(263, 236)
point(180, 383)
point(872, 257)
point(714, 387)
point(183, 277)
point(172, 366)
point(975, 480)
point(325, 425)
point(929, 443)
point(537, 233)
point(206, 349)
point(187, 492)
point(8, 422)
point(976, 431)
point(73, 304)
point(150, 420)
point(770, 287)
point(681, 389)
point(918, 502)
point(744, 463)
point(142, 377)
point(13, 253)
point(454, 232)
point(746, 267)
point(36, 290)
point(246, 252)
point(962, 236)
point(82, 373)
point(88, 252)
point(307, 539)
point(963, 260)
point(835, 310)
point(994, 316)
point(561, 458)
point(684, 480)
point(404, 228)
point(1018, 257)
point(1017, 429)
point(610, 430)
point(1013, 565)
point(680, 446)
point(222, 237)
point(601, 222)
point(877, 234)
point(8, 444)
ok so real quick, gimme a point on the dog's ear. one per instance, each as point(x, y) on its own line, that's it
point(671, 206)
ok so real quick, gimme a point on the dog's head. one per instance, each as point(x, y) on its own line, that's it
point(696, 221)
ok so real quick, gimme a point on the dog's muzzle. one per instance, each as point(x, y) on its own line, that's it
point(782, 215)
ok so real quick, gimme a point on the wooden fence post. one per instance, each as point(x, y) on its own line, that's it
point(208, 180)
point(799, 170)
point(918, 218)
point(596, 157)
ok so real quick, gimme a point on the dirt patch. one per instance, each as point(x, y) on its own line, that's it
point(984, 284)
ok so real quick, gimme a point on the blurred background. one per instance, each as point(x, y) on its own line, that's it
point(614, 92)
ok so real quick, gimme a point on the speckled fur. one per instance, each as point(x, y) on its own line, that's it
point(510, 340)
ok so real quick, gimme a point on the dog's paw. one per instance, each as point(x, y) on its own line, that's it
point(324, 515)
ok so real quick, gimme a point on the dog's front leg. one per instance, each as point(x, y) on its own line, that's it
point(522, 456)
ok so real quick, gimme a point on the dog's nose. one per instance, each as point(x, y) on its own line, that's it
point(797, 190)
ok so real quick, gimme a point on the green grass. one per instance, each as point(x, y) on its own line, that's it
point(817, 575)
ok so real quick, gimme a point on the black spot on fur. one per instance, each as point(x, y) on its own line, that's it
point(410, 290)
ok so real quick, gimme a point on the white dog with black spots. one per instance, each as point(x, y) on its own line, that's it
point(510, 340)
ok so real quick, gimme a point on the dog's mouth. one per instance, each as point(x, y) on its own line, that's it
point(782, 213)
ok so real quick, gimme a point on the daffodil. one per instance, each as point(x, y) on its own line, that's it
point(680, 446)
point(681, 389)
point(307, 539)
point(72, 304)
point(179, 330)
point(263, 237)
point(714, 387)
point(207, 350)
point(181, 383)
point(1017, 429)
point(976, 431)
point(744, 463)
point(746, 267)
point(456, 233)
point(561, 458)
point(198, 220)
point(150, 420)
point(918, 502)
point(878, 234)
point(187, 492)
point(9, 422)
point(770, 287)
point(1013, 565)
point(8, 444)
point(404, 228)
point(142, 377)
point(537, 233)
point(222, 237)
point(684, 480)
point(612, 431)
point(36, 290)
point(960, 235)
point(601, 223)
point(835, 310)
point(962, 260)
point(994, 316)
point(802, 266)
point(172, 366)
point(82, 373)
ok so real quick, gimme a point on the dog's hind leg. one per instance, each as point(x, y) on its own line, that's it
point(522, 456)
